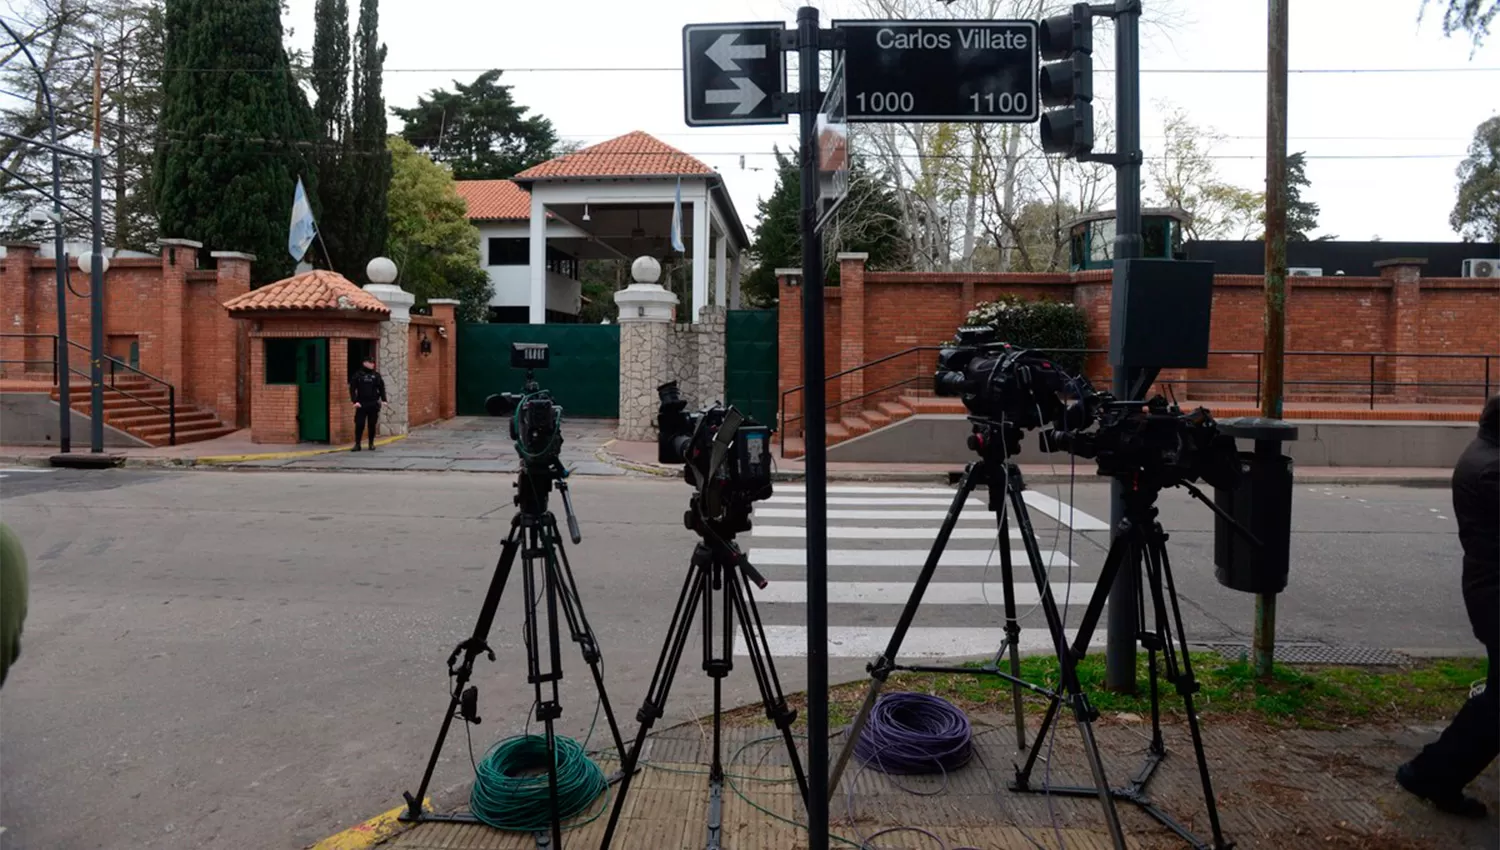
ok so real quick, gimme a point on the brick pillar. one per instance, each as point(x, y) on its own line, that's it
point(789, 345)
point(340, 411)
point(1405, 329)
point(16, 311)
point(445, 310)
point(393, 357)
point(645, 350)
point(230, 345)
point(852, 326)
point(178, 257)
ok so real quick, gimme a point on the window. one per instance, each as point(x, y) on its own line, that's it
point(281, 361)
point(510, 252)
point(1102, 241)
point(563, 264)
point(1154, 239)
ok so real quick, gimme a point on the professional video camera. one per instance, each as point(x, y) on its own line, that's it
point(999, 382)
point(726, 457)
point(1152, 440)
point(536, 419)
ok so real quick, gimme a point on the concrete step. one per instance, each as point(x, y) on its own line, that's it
point(856, 426)
point(115, 401)
point(148, 417)
point(895, 410)
point(934, 405)
point(193, 435)
point(875, 418)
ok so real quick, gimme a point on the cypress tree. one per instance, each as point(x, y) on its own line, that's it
point(370, 169)
point(330, 79)
point(236, 131)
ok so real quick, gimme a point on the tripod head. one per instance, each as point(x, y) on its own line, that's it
point(534, 483)
point(718, 535)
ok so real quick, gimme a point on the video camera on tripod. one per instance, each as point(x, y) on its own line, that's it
point(1152, 440)
point(726, 456)
point(536, 419)
point(1001, 383)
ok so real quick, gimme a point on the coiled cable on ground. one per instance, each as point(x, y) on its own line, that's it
point(511, 786)
point(910, 733)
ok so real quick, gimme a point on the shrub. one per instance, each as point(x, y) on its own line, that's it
point(1046, 325)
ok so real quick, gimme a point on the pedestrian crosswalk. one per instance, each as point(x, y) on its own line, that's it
point(878, 539)
point(6, 473)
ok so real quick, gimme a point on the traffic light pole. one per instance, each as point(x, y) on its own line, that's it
point(1119, 653)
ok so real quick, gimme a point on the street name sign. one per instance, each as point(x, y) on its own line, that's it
point(968, 71)
point(732, 73)
point(833, 148)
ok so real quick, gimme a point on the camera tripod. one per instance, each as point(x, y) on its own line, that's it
point(1141, 544)
point(717, 565)
point(996, 443)
point(545, 572)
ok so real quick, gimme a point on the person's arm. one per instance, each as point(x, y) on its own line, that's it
point(380, 383)
point(354, 390)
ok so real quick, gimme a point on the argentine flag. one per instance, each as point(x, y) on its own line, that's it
point(677, 221)
point(303, 228)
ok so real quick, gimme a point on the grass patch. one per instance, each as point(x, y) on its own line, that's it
point(1306, 696)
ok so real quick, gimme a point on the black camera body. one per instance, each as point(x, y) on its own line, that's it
point(1154, 442)
point(726, 456)
point(535, 417)
point(999, 382)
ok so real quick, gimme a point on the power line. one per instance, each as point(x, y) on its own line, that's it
point(663, 69)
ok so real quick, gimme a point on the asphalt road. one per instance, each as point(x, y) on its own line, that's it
point(257, 658)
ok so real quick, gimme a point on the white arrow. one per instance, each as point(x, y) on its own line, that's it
point(746, 96)
point(724, 51)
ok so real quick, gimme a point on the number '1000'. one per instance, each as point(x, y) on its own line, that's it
point(889, 102)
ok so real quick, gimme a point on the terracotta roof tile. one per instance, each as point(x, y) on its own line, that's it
point(495, 200)
point(318, 289)
point(635, 154)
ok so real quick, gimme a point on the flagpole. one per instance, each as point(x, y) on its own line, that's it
point(327, 257)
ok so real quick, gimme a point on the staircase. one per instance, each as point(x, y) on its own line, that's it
point(139, 407)
point(880, 415)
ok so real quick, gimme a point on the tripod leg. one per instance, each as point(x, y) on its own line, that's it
point(881, 668)
point(1012, 627)
point(470, 649)
point(583, 634)
point(764, 668)
point(538, 550)
point(1186, 684)
point(1083, 713)
point(693, 589)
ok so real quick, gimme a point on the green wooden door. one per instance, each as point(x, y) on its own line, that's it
point(312, 390)
point(750, 364)
point(584, 376)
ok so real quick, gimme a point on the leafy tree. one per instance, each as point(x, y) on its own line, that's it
point(478, 130)
point(1301, 214)
point(234, 140)
point(1470, 16)
point(61, 35)
point(330, 85)
point(367, 140)
point(600, 280)
point(1185, 177)
point(868, 221)
point(1476, 213)
point(430, 237)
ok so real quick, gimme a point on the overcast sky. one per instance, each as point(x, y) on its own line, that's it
point(1427, 118)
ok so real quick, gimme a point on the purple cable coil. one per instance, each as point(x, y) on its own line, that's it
point(911, 733)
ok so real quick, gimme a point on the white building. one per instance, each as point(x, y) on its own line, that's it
point(613, 200)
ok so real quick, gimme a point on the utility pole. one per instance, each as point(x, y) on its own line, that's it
point(96, 270)
point(1275, 322)
point(1121, 629)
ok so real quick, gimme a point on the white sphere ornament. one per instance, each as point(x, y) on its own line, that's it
point(381, 270)
point(86, 263)
point(645, 270)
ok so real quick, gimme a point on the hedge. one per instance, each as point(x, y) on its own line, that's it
point(1048, 325)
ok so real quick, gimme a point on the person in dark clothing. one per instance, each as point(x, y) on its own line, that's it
point(1439, 773)
point(367, 391)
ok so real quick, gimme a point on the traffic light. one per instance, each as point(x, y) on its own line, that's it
point(1069, 83)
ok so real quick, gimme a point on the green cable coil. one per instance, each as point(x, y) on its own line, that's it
point(511, 788)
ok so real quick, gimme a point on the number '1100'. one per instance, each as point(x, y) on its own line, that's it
point(1005, 103)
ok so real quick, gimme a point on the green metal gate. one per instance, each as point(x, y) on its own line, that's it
point(750, 364)
point(584, 376)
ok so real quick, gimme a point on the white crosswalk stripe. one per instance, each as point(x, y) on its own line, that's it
point(879, 538)
point(6, 473)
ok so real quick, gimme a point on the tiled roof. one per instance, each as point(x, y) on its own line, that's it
point(318, 289)
point(495, 200)
point(631, 155)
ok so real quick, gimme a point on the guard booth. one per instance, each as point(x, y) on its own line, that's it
point(1091, 238)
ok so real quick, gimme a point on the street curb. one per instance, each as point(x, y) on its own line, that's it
point(369, 833)
point(246, 458)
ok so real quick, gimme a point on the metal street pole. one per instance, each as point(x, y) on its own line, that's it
point(814, 436)
point(96, 275)
point(1119, 653)
point(1275, 321)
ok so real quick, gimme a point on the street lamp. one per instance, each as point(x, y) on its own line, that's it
point(381, 270)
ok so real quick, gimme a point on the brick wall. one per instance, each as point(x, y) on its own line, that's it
point(275, 405)
point(425, 372)
point(879, 314)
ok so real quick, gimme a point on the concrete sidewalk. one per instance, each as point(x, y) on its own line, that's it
point(1275, 787)
point(641, 457)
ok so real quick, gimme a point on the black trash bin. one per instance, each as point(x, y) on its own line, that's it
point(1262, 503)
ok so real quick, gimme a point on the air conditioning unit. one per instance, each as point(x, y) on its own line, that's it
point(1304, 271)
point(1480, 267)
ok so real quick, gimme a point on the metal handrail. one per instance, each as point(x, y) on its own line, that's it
point(170, 410)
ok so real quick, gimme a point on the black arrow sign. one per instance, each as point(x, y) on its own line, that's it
point(732, 73)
